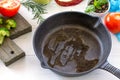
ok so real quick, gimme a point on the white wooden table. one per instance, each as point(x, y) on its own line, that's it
point(28, 68)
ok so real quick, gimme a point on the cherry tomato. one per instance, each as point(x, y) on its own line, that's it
point(9, 8)
point(67, 3)
point(112, 21)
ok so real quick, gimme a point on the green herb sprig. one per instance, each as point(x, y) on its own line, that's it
point(37, 9)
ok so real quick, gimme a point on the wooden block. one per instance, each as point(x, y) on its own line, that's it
point(22, 27)
point(10, 52)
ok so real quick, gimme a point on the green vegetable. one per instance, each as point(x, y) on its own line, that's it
point(97, 4)
point(90, 8)
point(4, 32)
point(1, 20)
point(10, 24)
point(5, 26)
point(102, 2)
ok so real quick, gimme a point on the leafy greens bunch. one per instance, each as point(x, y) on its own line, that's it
point(97, 4)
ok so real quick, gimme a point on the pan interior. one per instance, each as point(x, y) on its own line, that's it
point(71, 49)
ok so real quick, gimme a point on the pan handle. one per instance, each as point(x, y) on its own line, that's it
point(108, 67)
point(94, 21)
point(97, 22)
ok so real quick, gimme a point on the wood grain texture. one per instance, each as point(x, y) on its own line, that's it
point(22, 27)
point(10, 52)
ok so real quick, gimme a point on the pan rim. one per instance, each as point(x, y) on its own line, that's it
point(97, 66)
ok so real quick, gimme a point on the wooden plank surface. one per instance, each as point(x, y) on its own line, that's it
point(22, 27)
point(9, 51)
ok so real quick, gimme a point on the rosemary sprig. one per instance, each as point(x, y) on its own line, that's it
point(37, 9)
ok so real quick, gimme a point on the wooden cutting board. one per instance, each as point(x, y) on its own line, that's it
point(9, 51)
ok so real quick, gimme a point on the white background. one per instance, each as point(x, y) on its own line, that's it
point(28, 68)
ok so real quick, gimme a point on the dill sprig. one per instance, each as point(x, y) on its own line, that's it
point(37, 9)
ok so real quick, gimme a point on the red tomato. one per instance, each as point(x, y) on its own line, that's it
point(68, 3)
point(112, 21)
point(9, 8)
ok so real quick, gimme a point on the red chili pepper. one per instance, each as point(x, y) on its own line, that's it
point(68, 3)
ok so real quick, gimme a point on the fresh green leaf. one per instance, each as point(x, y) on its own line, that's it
point(90, 8)
point(102, 2)
point(99, 3)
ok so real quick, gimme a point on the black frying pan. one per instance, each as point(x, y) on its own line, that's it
point(96, 36)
